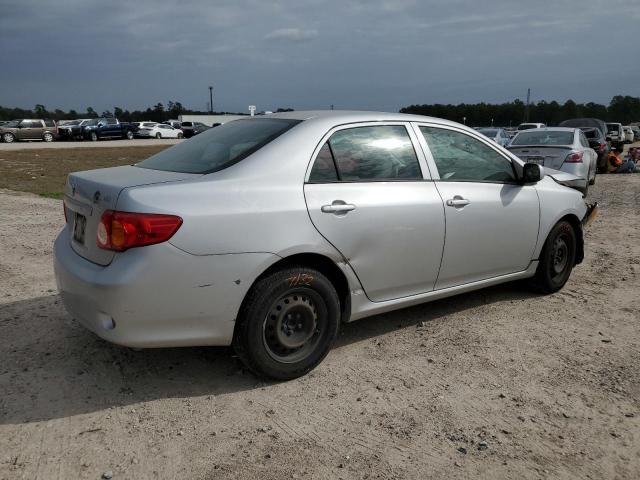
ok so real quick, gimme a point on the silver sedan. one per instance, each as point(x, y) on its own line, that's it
point(560, 148)
point(268, 232)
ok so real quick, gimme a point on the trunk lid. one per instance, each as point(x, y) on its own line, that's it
point(547, 156)
point(88, 194)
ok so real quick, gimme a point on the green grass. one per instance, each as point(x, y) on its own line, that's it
point(54, 195)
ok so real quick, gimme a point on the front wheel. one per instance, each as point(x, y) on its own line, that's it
point(129, 135)
point(8, 138)
point(287, 323)
point(158, 135)
point(557, 258)
point(93, 136)
point(180, 135)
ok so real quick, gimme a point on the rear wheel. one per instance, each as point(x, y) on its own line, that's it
point(158, 135)
point(47, 137)
point(8, 138)
point(180, 135)
point(288, 323)
point(557, 258)
point(93, 136)
point(129, 135)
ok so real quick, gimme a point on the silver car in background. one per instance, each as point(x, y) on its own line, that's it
point(498, 135)
point(559, 148)
point(268, 232)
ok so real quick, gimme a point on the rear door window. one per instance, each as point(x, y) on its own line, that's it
point(368, 154)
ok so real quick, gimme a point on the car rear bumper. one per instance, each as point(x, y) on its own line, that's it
point(157, 296)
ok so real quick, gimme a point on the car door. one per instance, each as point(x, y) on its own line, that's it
point(369, 194)
point(29, 129)
point(491, 219)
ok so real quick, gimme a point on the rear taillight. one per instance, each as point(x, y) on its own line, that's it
point(120, 231)
point(574, 158)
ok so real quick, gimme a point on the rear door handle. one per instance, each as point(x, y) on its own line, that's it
point(337, 207)
point(457, 202)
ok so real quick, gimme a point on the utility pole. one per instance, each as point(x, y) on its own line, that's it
point(526, 108)
point(210, 99)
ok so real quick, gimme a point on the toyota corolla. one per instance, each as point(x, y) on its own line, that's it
point(267, 233)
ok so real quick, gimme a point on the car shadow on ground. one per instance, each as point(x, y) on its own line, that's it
point(51, 367)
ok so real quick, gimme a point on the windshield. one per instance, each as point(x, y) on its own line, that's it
point(218, 148)
point(543, 137)
point(93, 121)
point(489, 132)
point(612, 127)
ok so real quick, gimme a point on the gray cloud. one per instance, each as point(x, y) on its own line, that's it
point(351, 53)
point(291, 34)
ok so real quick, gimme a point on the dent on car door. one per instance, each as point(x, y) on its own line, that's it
point(491, 219)
point(366, 194)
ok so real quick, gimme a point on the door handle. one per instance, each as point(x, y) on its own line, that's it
point(338, 207)
point(457, 202)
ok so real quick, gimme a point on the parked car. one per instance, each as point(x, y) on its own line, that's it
point(616, 134)
point(498, 135)
point(72, 129)
point(98, 128)
point(628, 134)
point(193, 128)
point(139, 125)
point(529, 126)
point(29, 129)
point(174, 123)
point(160, 130)
point(268, 232)
point(586, 123)
point(598, 142)
point(559, 148)
point(636, 133)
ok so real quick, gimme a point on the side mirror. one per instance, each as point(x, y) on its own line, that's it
point(532, 173)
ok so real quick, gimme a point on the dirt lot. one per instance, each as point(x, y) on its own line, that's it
point(44, 171)
point(550, 384)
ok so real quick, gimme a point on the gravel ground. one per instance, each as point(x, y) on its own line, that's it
point(137, 142)
point(500, 383)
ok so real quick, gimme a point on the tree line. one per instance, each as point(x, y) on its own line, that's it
point(158, 113)
point(623, 109)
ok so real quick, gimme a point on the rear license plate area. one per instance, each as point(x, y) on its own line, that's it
point(79, 227)
point(536, 160)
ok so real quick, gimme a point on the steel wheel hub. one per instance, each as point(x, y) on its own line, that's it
point(560, 255)
point(291, 327)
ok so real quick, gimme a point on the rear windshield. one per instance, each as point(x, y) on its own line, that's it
point(543, 137)
point(527, 126)
point(591, 133)
point(489, 132)
point(218, 148)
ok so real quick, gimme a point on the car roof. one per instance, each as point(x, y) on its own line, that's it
point(550, 129)
point(354, 116)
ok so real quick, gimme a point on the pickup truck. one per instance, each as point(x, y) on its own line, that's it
point(98, 128)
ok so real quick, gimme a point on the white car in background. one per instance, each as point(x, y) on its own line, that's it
point(628, 134)
point(160, 130)
point(529, 126)
point(559, 148)
point(498, 135)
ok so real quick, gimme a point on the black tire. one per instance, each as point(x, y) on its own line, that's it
point(129, 135)
point(47, 137)
point(93, 136)
point(265, 338)
point(8, 137)
point(593, 180)
point(158, 135)
point(557, 258)
point(180, 135)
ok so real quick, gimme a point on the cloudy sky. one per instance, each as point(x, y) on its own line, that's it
point(355, 54)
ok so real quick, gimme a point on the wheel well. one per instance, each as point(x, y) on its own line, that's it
point(577, 228)
point(324, 265)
